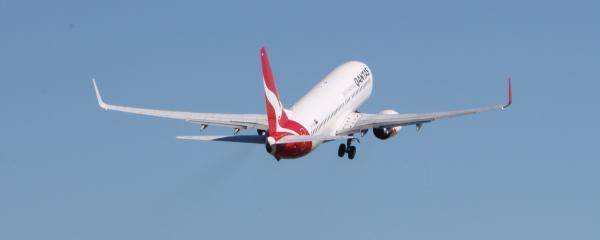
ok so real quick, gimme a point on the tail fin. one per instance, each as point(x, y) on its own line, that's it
point(274, 106)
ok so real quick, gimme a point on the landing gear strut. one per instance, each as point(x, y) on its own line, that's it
point(347, 148)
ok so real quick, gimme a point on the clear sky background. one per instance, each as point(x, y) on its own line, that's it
point(69, 170)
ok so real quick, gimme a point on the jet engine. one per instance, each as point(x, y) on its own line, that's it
point(386, 132)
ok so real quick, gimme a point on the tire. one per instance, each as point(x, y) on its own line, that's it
point(341, 150)
point(351, 152)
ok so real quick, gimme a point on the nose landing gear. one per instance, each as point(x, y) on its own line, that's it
point(347, 148)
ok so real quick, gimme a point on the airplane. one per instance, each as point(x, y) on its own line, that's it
point(328, 112)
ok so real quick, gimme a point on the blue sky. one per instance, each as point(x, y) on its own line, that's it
point(71, 171)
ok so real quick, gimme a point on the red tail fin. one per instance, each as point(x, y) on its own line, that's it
point(274, 106)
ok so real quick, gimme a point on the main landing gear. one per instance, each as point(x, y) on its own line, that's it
point(347, 148)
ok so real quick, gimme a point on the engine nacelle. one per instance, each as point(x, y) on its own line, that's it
point(386, 132)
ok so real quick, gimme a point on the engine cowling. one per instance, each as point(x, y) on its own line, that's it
point(386, 132)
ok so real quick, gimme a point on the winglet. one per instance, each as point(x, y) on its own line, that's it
point(509, 95)
point(100, 102)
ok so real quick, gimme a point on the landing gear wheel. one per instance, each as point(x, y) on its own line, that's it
point(351, 152)
point(341, 150)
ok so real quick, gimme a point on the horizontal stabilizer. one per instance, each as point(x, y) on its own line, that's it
point(257, 139)
point(308, 138)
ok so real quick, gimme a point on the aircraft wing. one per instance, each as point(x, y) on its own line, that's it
point(367, 121)
point(241, 121)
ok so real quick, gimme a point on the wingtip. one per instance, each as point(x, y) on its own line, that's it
point(101, 103)
point(509, 94)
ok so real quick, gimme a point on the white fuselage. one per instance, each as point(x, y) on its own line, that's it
point(330, 103)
